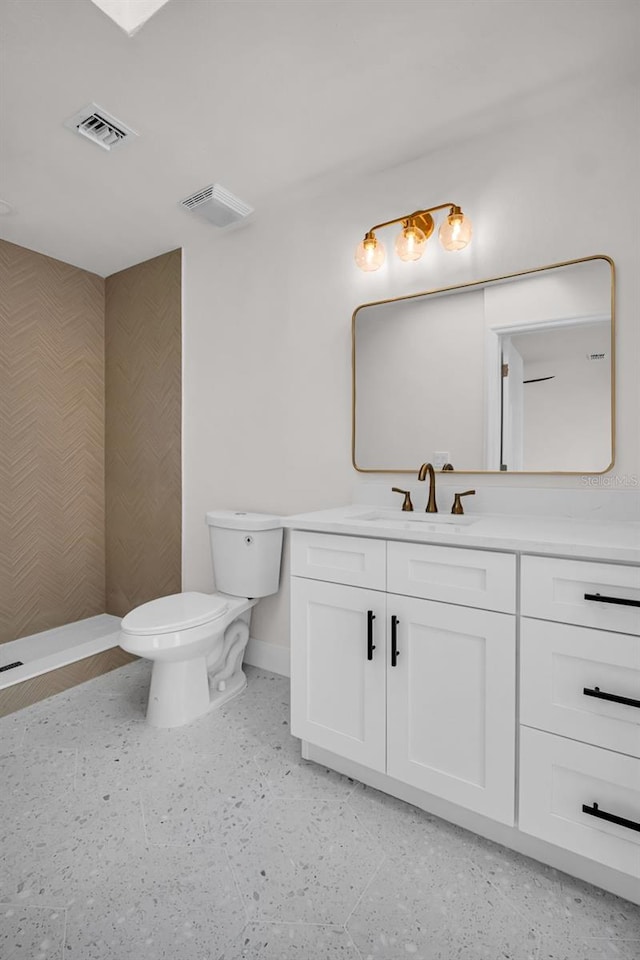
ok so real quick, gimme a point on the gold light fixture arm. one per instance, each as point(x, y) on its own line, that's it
point(413, 216)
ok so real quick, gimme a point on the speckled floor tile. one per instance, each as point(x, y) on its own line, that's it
point(561, 906)
point(589, 949)
point(401, 828)
point(291, 777)
point(158, 902)
point(115, 708)
point(43, 773)
point(30, 933)
point(142, 753)
point(211, 736)
point(293, 941)
point(304, 861)
point(191, 800)
point(104, 768)
point(48, 851)
point(131, 681)
point(231, 787)
point(132, 936)
point(438, 911)
point(261, 712)
point(12, 731)
point(66, 724)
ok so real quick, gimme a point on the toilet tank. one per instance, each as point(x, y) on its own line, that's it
point(246, 549)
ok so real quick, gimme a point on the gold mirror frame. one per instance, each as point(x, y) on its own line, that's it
point(468, 286)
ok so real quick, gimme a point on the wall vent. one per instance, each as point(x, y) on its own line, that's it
point(97, 125)
point(217, 205)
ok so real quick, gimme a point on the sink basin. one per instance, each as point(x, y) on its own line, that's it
point(432, 520)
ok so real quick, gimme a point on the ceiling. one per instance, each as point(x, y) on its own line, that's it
point(263, 97)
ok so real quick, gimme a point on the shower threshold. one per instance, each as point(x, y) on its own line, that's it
point(35, 667)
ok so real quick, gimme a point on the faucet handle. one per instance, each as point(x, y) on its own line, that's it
point(406, 503)
point(457, 503)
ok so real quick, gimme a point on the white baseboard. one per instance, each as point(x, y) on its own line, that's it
point(268, 656)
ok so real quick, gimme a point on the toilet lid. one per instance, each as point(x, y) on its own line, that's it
point(177, 612)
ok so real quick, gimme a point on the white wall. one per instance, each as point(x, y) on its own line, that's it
point(420, 382)
point(579, 290)
point(267, 308)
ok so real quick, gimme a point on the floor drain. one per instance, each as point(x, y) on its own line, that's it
point(10, 666)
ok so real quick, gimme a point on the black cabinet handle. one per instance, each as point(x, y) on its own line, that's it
point(594, 811)
point(613, 697)
point(370, 644)
point(620, 600)
point(394, 641)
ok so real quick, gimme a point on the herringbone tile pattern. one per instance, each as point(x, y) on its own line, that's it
point(51, 443)
point(143, 433)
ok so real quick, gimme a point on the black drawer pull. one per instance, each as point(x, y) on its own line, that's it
point(620, 600)
point(370, 644)
point(394, 641)
point(613, 697)
point(594, 811)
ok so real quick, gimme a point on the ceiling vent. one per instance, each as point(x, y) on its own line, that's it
point(217, 205)
point(97, 125)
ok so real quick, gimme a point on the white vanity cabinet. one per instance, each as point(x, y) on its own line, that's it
point(403, 661)
point(488, 674)
point(580, 708)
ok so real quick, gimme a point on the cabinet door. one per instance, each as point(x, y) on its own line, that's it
point(451, 704)
point(338, 698)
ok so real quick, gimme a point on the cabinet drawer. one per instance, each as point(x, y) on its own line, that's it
point(559, 776)
point(472, 578)
point(355, 561)
point(558, 662)
point(555, 590)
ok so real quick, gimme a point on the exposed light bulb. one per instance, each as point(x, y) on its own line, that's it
point(455, 231)
point(370, 253)
point(410, 242)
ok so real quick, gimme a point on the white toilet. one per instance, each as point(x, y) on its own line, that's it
point(197, 640)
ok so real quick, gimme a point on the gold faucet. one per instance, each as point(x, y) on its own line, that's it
point(422, 473)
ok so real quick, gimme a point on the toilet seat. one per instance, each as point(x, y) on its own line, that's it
point(180, 611)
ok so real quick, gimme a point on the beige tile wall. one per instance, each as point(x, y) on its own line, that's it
point(143, 432)
point(52, 543)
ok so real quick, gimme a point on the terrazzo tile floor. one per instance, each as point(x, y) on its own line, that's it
point(216, 841)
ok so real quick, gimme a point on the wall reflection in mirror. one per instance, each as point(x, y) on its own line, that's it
point(509, 374)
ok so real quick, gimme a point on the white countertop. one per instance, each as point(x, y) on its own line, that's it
point(555, 536)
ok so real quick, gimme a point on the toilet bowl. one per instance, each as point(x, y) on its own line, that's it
point(197, 641)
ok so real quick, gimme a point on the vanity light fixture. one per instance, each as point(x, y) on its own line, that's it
point(454, 234)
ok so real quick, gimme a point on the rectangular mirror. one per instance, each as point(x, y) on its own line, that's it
point(510, 374)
